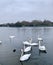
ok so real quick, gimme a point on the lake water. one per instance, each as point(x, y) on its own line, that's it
point(8, 57)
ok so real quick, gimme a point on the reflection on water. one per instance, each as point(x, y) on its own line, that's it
point(8, 57)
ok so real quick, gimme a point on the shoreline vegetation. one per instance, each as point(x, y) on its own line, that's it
point(33, 23)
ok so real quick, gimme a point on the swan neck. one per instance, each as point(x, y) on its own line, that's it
point(21, 53)
point(30, 41)
point(39, 43)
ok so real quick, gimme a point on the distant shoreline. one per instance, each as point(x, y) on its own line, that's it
point(34, 23)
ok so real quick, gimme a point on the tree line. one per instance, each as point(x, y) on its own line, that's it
point(28, 23)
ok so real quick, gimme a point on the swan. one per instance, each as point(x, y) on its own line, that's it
point(42, 48)
point(30, 43)
point(27, 42)
point(11, 37)
point(25, 56)
point(34, 44)
point(40, 39)
point(0, 42)
point(27, 49)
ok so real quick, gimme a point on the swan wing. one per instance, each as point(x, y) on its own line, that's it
point(34, 44)
point(27, 49)
point(26, 43)
point(25, 57)
point(42, 48)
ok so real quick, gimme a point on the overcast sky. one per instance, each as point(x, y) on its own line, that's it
point(18, 10)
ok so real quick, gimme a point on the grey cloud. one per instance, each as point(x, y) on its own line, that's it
point(14, 10)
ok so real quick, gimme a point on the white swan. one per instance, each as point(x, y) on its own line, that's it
point(40, 39)
point(27, 49)
point(11, 37)
point(0, 42)
point(25, 56)
point(41, 48)
point(30, 43)
point(26, 43)
point(34, 44)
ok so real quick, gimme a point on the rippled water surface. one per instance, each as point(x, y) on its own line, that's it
point(8, 57)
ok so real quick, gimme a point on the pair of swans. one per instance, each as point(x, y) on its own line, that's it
point(25, 57)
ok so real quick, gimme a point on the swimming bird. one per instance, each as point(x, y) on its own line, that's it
point(27, 42)
point(30, 43)
point(11, 37)
point(34, 44)
point(0, 42)
point(14, 50)
point(42, 48)
point(40, 39)
point(27, 49)
point(24, 57)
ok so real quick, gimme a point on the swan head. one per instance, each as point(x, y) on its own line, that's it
point(30, 40)
point(21, 50)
